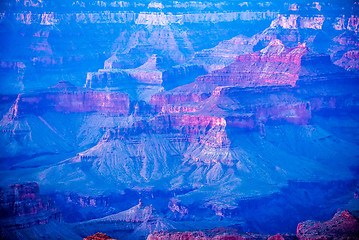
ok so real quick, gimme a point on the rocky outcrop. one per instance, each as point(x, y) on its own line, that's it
point(316, 22)
point(275, 65)
point(294, 21)
point(142, 18)
point(349, 61)
point(99, 236)
point(65, 97)
point(162, 99)
point(240, 108)
point(342, 226)
point(223, 54)
point(108, 79)
point(148, 79)
point(216, 234)
point(22, 206)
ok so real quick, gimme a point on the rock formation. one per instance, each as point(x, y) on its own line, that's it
point(342, 226)
point(216, 234)
point(99, 236)
point(65, 97)
point(275, 65)
point(237, 114)
point(22, 206)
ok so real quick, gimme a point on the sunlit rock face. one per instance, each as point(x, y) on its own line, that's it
point(160, 119)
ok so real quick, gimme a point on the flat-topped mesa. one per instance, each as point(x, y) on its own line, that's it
point(65, 97)
point(274, 65)
point(22, 206)
point(157, 70)
point(108, 79)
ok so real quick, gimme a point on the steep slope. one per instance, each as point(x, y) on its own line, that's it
point(134, 223)
point(34, 124)
point(223, 54)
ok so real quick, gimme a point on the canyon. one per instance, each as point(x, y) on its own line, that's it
point(179, 120)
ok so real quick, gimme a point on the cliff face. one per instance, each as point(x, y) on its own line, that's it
point(280, 63)
point(22, 206)
point(275, 65)
point(246, 108)
point(65, 97)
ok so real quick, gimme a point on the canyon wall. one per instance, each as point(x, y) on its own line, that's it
point(67, 98)
point(22, 206)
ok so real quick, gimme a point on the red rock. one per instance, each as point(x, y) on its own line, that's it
point(99, 236)
point(274, 65)
point(342, 226)
point(245, 108)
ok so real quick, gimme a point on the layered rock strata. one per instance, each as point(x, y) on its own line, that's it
point(22, 206)
point(274, 65)
point(65, 97)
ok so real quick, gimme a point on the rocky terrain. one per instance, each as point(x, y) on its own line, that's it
point(25, 214)
point(99, 236)
point(161, 119)
point(343, 226)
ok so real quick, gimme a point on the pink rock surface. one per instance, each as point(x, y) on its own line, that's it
point(342, 226)
point(273, 65)
point(349, 61)
point(64, 97)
